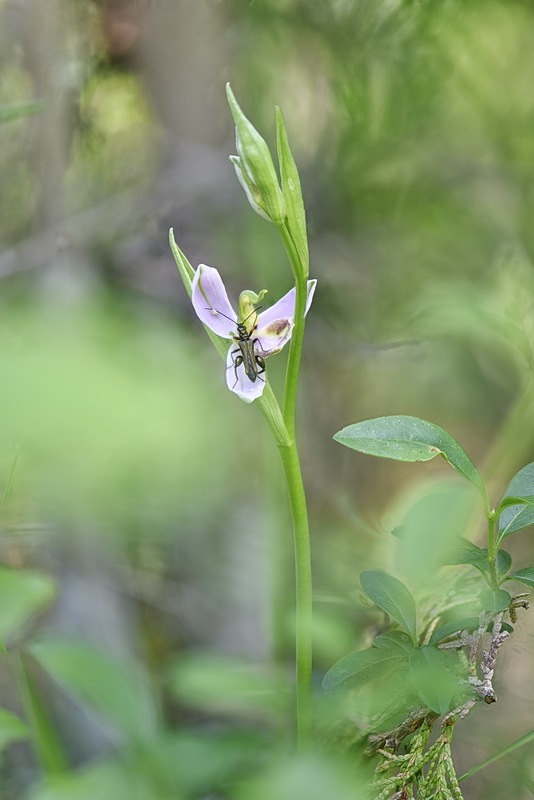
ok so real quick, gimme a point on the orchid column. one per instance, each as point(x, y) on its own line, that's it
point(255, 336)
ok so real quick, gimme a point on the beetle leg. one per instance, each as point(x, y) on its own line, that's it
point(238, 360)
point(261, 363)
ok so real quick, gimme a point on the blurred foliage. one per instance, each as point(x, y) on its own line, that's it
point(105, 418)
point(411, 122)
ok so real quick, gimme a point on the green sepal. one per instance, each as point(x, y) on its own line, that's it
point(187, 273)
point(392, 596)
point(405, 438)
point(291, 189)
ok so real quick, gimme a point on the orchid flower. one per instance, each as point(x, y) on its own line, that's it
point(262, 334)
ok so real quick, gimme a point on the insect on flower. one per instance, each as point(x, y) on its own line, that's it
point(247, 355)
point(257, 335)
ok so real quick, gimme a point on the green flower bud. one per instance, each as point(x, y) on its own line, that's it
point(254, 167)
point(252, 192)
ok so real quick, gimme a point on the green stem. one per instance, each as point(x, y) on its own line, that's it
point(526, 739)
point(297, 499)
point(493, 548)
point(270, 409)
point(297, 336)
point(303, 578)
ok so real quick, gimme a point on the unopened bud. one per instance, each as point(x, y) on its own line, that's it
point(254, 167)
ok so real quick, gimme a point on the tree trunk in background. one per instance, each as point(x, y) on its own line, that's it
point(182, 52)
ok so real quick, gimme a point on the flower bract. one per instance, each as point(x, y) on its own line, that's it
point(254, 339)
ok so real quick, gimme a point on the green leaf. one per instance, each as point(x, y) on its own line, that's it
point(392, 596)
point(431, 528)
point(23, 593)
point(48, 749)
point(404, 438)
point(497, 600)
point(433, 677)
point(357, 669)
point(105, 780)
point(12, 729)
point(504, 627)
point(503, 562)
point(525, 576)
point(455, 626)
point(18, 110)
point(311, 775)
point(465, 552)
point(515, 517)
point(111, 688)
point(291, 189)
point(396, 640)
point(227, 685)
point(514, 501)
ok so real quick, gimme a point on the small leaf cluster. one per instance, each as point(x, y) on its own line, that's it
point(405, 438)
point(433, 675)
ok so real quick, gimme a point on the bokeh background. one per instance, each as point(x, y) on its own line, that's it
point(128, 472)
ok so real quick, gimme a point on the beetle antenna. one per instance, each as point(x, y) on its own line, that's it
point(254, 311)
point(221, 314)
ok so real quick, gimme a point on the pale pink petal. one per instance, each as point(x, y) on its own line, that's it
point(312, 285)
point(275, 324)
point(211, 303)
point(285, 307)
point(238, 381)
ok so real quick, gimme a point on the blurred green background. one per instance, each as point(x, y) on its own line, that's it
point(127, 469)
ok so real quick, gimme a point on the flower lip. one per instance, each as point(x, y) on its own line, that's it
point(238, 381)
point(266, 335)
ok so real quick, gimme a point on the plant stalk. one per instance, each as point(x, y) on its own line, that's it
point(297, 500)
point(303, 586)
point(493, 547)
